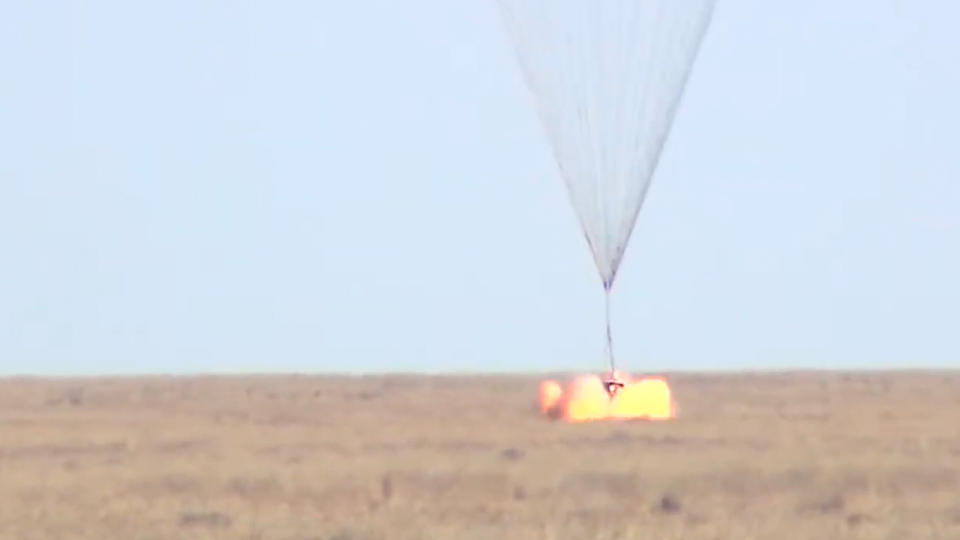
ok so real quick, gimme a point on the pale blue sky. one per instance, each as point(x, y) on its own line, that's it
point(362, 186)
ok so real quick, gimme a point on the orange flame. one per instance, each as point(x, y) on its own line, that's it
point(585, 400)
point(550, 394)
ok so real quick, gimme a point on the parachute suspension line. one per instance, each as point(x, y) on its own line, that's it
point(606, 78)
point(606, 298)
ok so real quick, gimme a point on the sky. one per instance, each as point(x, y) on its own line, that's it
point(303, 186)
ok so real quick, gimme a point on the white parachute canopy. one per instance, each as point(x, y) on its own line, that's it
point(607, 76)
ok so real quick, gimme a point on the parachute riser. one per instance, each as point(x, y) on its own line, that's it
point(607, 287)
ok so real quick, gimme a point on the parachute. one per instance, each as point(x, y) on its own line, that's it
point(607, 77)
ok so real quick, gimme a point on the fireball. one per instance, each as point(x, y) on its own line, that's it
point(585, 399)
point(647, 398)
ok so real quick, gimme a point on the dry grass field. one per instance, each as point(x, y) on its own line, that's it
point(772, 456)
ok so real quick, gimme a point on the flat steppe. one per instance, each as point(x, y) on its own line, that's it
point(800, 455)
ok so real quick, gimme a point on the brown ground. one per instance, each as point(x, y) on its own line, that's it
point(775, 456)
